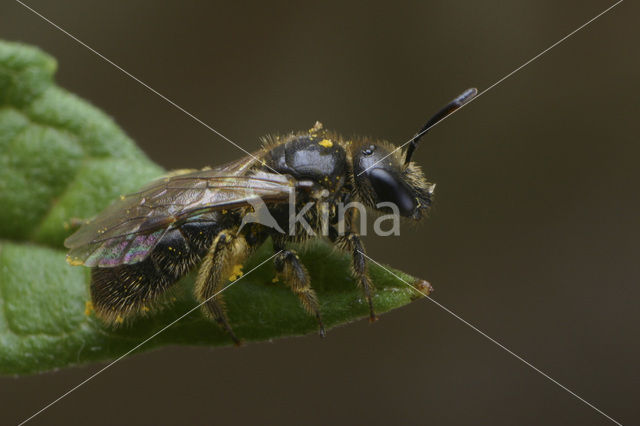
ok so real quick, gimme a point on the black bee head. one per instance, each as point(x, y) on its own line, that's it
point(381, 178)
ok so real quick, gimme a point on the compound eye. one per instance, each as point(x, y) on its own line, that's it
point(391, 189)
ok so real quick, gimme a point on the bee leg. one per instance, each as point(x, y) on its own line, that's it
point(295, 275)
point(227, 251)
point(351, 242)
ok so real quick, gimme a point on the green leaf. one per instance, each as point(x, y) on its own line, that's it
point(61, 158)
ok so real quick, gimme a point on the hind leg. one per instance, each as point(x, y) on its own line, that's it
point(221, 262)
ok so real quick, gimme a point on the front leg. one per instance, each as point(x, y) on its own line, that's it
point(352, 243)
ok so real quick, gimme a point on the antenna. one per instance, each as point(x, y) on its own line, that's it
point(458, 102)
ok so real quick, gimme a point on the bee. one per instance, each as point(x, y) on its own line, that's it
point(143, 243)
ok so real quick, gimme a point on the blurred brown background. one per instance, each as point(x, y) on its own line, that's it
point(533, 238)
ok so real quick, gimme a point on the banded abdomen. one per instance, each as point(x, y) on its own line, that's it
point(119, 291)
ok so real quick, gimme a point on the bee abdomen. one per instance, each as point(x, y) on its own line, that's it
point(124, 290)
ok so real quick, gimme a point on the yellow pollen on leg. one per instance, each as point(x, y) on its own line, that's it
point(275, 280)
point(236, 273)
point(119, 319)
point(88, 308)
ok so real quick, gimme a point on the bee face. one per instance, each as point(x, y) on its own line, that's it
point(381, 177)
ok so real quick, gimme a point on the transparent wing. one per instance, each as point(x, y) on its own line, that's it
point(127, 230)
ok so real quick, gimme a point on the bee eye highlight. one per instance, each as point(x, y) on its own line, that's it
point(368, 151)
